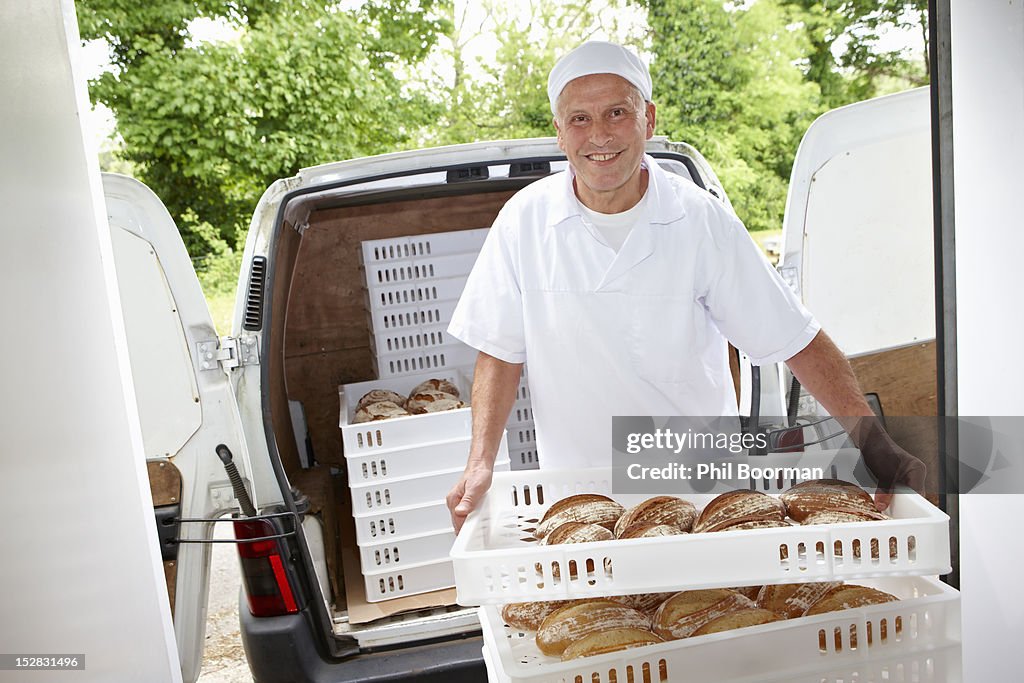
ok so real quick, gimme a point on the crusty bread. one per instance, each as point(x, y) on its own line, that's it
point(382, 410)
point(659, 510)
point(529, 615)
point(378, 395)
point(810, 497)
point(735, 507)
point(848, 596)
point(441, 385)
point(650, 530)
point(592, 508)
point(750, 592)
point(685, 612)
point(576, 532)
point(741, 618)
point(602, 642)
point(648, 603)
point(791, 600)
point(565, 626)
point(432, 402)
point(756, 524)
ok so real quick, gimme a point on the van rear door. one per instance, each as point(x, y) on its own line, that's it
point(186, 403)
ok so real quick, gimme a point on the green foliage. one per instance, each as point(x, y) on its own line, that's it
point(728, 81)
point(208, 127)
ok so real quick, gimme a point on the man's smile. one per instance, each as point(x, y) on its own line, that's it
point(603, 157)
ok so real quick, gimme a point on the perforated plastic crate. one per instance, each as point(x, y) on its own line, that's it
point(416, 293)
point(417, 269)
point(524, 458)
point(926, 619)
point(399, 432)
point(409, 580)
point(404, 319)
point(414, 338)
point(420, 246)
point(385, 465)
point(454, 355)
point(496, 558)
point(397, 554)
point(400, 492)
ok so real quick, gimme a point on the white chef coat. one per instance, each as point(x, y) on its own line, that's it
point(638, 332)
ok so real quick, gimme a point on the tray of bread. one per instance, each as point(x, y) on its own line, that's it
point(562, 534)
point(755, 633)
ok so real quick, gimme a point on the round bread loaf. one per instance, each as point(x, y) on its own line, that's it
point(750, 592)
point(576, 532)
point(741, 618)
point(846, 597)
point(756, 524)
point(442, 385)
point(826, 495)
point(659, 510)
point(569, 624)
point(685, 612)
point(378, 395)
point(432, 402)
point(528, 616)
point(791, 600)
point(650, 530)
point(602, 642)
point(382, 410)
point(648, 603)
point(735, 507)
point(591, 508)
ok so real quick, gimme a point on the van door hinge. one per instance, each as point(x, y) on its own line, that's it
point(228, 352)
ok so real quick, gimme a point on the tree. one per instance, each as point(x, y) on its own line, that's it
point(209, 126)
point(728, 80)
point(847, 60)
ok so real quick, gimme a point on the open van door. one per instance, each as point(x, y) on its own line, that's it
point(186, 405)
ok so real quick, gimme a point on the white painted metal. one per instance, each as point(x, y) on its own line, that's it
point(859, 223)
point(165, 385)
point(85, 575)
point(987, 50)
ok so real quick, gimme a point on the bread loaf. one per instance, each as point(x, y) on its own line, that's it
point(565, 626)
point(741, 618)
point(736, 507)
point(432, 402)
point(648, 603)
point(809, 497)
point(591, 508)
point(382, 410)
point(576, 532)
point(659, 510)
point(528, 616)
point(603, 642)
point(791, 600)
point(441, 385)
point(750, 592)
point(378, 395)
point(685, 612)
point(848, 597)
point(650, 530)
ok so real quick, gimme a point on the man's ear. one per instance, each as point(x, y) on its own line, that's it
point(652, 118)
point(558, 132)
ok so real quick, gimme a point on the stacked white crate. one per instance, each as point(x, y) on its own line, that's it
point(412, 286)
point(399, 472)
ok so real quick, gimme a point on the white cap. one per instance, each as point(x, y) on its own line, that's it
point(598, 57)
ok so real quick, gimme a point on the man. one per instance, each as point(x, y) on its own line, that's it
point(621, 283)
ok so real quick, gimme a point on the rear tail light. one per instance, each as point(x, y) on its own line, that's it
point(266, 582)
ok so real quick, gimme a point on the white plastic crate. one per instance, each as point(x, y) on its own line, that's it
point(400, 523)
point(521, 414)
point(496, 557)
point(410, 580)
point(419, 489)
point(522, 436)
point(928, 613)
point(414, 338)
point(417, 293)
point(399, 432)
point(418, 269)
point(454, 355)
point(524, 458)
point(385, 465)
point(419, 246)
point(389, 555)
point(410, 318)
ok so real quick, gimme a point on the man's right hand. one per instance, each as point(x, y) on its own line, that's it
point(467, 493)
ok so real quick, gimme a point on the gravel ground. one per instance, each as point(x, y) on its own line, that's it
point(223, 657)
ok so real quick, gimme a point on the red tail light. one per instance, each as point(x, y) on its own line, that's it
point(266, 583)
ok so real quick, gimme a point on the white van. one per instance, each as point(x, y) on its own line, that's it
point(299, 331)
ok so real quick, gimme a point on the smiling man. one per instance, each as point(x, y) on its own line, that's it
point(621, 283)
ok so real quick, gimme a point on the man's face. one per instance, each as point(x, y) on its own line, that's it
point(602, 124)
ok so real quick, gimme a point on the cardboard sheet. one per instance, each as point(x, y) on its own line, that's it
point(359, 610)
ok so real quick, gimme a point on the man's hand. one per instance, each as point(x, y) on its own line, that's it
point(891, 465)
point(467, 493)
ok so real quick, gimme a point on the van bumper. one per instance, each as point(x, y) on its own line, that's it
point(284, 649)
